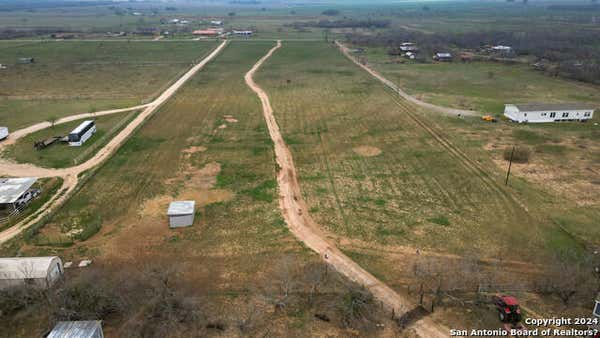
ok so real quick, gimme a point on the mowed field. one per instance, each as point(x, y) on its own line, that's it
point(210, 144)
point(373, 174)
point(70, 77)
point(60, 154)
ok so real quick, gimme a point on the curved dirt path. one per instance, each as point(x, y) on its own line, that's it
point(405, 95)
point(70, 175)
point(17, 134)
point(300, 223)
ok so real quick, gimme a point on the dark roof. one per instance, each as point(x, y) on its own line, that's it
point(552, 106)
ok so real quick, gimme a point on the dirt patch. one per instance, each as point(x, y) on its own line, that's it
point(194, 149)
point(230, 118)
point(197, 186)
point(367, 151)
point(573, 181)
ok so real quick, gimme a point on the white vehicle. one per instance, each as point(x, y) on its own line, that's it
point(3, 133)
point(82, 133)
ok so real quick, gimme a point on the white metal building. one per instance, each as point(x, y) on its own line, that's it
point(15, 194)
point(77, 329)
point(181, 213)
point(82, 133)
point(41, 272)
point(548, 112)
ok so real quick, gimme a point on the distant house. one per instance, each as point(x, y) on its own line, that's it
point(501, 48)
point(26, 60)
point(206, 32)
point(216, 22)
point(181, 213)
point(77, 329)
point(40, 272)
point(408, 47)
point(442, 57)
point(247, 33)
point(548, 112)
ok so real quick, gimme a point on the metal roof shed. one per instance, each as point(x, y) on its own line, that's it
point(77, 329)
point(12, 188)
point(181, 213)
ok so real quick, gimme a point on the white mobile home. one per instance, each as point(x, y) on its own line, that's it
point(548, 112)
point(82, 133)
point(181, 213)
point(77, 329)
point(41, 272)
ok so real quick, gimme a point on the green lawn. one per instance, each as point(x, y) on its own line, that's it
point(61, 155)
point(70, 77)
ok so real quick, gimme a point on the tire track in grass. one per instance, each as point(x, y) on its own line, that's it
point(306, 230)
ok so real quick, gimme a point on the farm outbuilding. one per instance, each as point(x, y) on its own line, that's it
point(77, 329)
point(181, 213)
point(40, 272)
point(206, 32)
point(15, 194)
point(548, 112)
point(26, 60)
point(442, 57)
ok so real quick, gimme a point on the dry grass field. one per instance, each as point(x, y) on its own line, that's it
point(69, 77)
point(481, 86)
point(371, 173)
point(401, 188)
point(238, 262)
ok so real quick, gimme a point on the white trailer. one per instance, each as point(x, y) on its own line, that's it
point(548, 112)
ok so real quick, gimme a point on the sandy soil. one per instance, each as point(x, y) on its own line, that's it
point(367, 151)
point(70, 175)
point(402, 93)
point(300, 223)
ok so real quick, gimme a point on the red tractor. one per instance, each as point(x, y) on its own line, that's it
point(508, 309)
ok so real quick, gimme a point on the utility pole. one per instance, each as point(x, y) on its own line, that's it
point(512, 152)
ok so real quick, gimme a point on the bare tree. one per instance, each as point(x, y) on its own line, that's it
point(570, 276)
point(52, 120)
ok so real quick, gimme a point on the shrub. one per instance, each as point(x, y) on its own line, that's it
point(520, 155)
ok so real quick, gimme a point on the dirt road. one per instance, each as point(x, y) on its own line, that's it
point(70, 175)
point(295, 213)
point(402, 93)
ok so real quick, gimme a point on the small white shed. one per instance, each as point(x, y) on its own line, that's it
point(77, 329)
point(41, 272)
point(181, 213)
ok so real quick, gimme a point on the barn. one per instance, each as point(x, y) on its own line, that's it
point(77, 329)
point(548, 112)
point(181, 213)
point(40, 272)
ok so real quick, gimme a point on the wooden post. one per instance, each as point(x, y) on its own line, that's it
point(512, 152)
